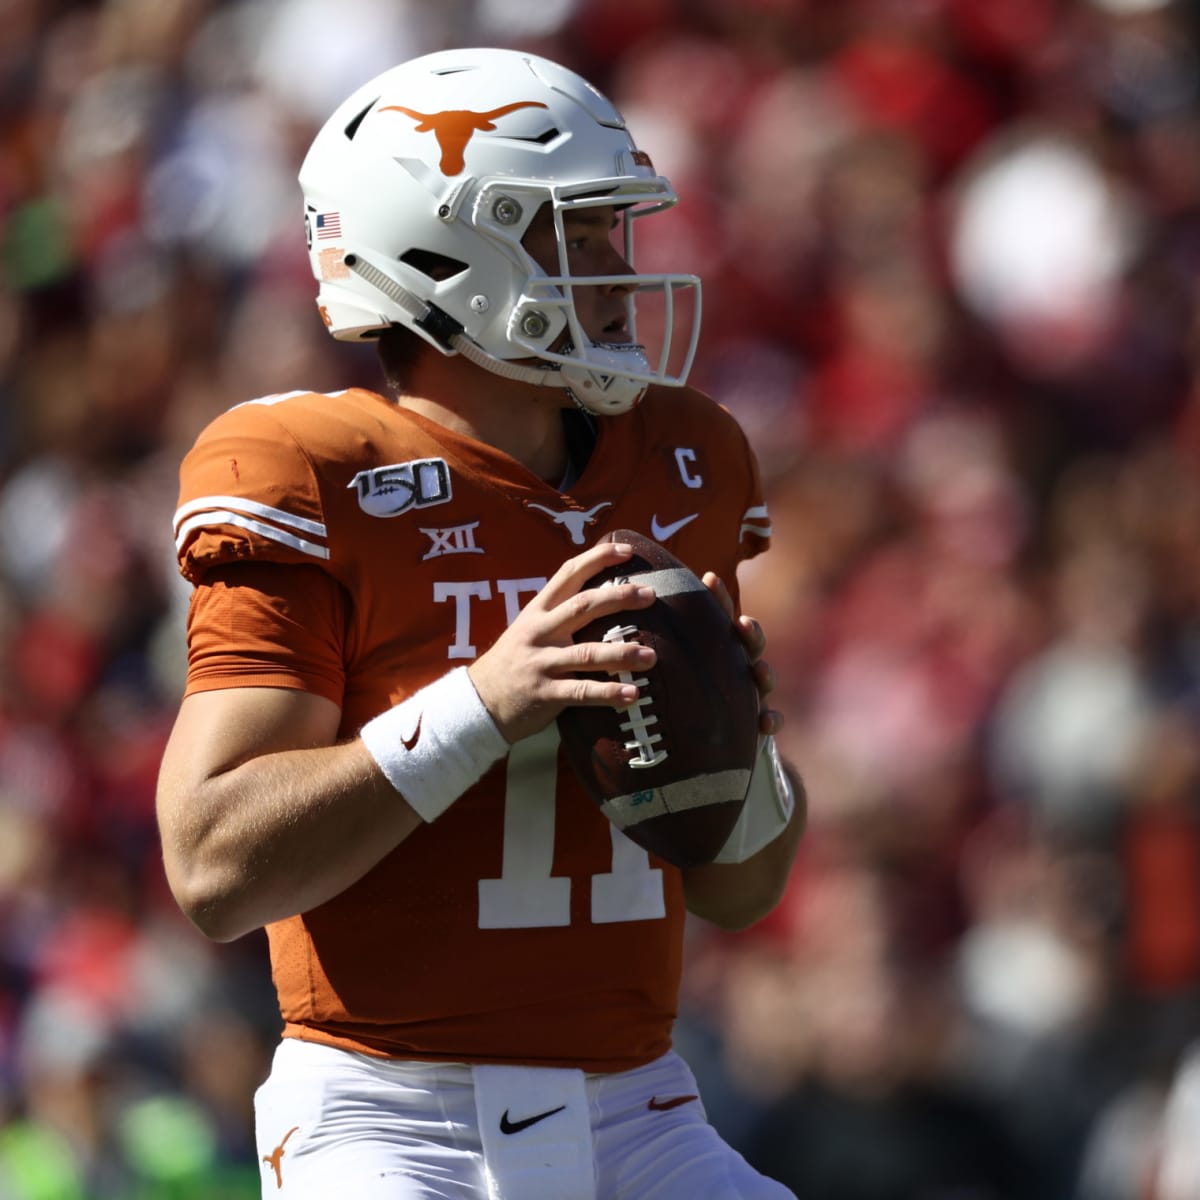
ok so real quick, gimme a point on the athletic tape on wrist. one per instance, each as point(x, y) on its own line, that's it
point(769, 805)
point(435, 744)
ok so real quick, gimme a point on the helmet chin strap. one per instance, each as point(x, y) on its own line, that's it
point(590, 381)
point(548, 376)
point(593, 380)
point(598, 381)
point(452, 335)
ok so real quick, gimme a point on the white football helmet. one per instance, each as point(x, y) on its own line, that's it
point(445, 160)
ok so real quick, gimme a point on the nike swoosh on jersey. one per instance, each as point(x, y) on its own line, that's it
point(657, 1105)
point(507, 1126)
point(662, 532)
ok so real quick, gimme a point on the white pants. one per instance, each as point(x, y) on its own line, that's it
point(332, 1124)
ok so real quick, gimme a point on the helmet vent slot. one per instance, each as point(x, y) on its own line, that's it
point(542, 139)
point(352, 128)
point(436, 266)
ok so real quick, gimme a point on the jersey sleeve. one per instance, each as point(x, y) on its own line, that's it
point(250, 534)
point(248, 492)
point(266, 625)
point(754, 534)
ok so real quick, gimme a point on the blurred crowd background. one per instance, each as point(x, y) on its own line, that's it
point(951, 259)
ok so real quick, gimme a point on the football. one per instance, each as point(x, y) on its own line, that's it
point(672, 771)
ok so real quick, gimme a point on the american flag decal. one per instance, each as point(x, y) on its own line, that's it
point(329, 225)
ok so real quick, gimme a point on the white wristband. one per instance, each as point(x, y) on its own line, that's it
point(767, 811)
point(435, 744)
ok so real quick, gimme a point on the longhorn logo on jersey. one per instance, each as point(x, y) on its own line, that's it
point(454, 129)
point(573, 520)
point(389, 491)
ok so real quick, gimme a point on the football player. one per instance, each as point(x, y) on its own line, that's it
point(477, 972)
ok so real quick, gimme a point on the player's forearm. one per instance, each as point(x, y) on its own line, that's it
point(735, 895)
point(277, 835)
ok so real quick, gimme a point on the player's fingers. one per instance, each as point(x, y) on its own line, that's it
point(593, 693)
point(770, 720)
point(593, 603)
point(751, 632)
point(576, 571)
point(753, 637)
point(716, 585)
point(764, 676)
point(609, 656)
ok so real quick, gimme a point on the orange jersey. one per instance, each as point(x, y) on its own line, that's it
point(519, 926)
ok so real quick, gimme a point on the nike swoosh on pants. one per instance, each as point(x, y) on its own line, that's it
point(507, 1126)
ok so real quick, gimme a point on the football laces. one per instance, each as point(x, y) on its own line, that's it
point(642, 745)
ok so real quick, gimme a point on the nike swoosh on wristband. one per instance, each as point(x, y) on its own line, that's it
point(409, 742)
point(657, 1105)
point(507, 1126)
point(662, 532)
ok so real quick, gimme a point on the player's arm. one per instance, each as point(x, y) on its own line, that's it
point(264, 813)
point(734, 894)
point(737, 894)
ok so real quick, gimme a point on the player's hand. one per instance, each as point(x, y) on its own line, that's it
point(529, 675)
point(770, 720)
